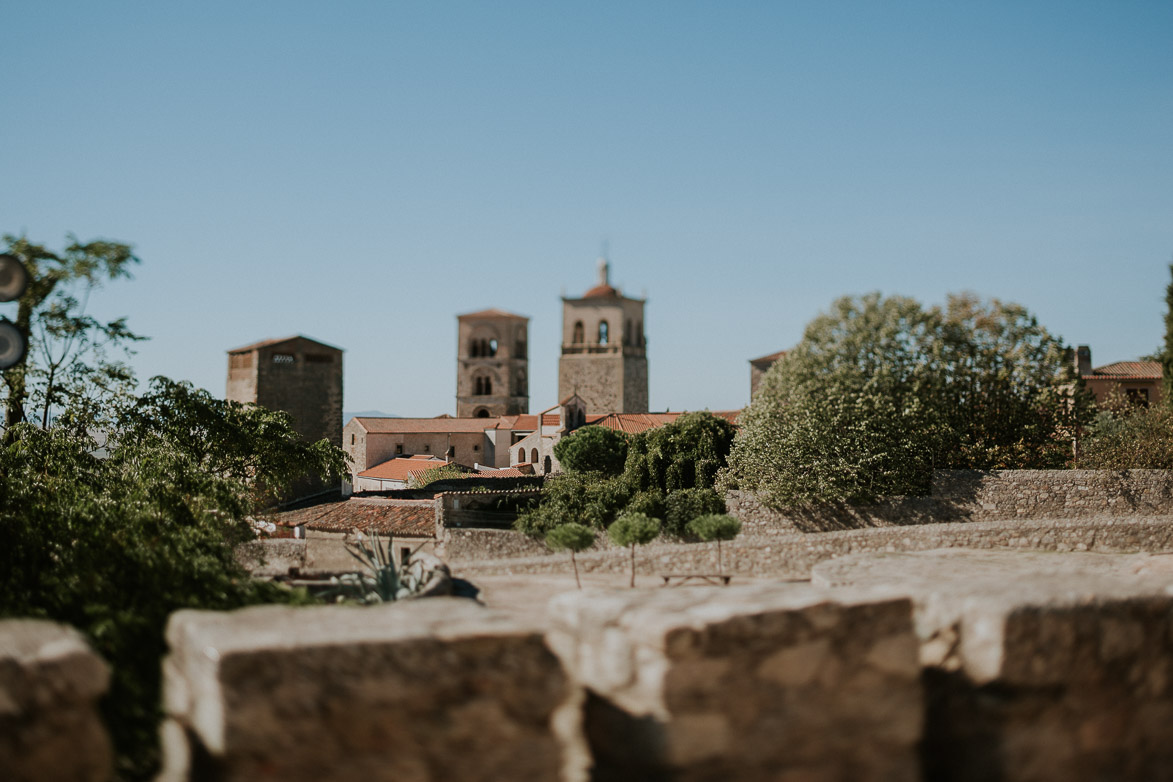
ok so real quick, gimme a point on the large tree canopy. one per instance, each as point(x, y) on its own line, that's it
point(881, 391)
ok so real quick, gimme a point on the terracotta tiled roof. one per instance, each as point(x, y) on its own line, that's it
point(264, 343)
point(409, 518)
point(506, 472)
point(770, 359)
point(401, 468)
point(493, 313)
point(634, 423)
point(1128, 370)
point(425, 425)
point(526, 422)
point(601, 292)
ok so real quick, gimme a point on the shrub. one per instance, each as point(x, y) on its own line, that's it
point(593, 449)
point(684, 505)
point(715, 526)
point(634, 529)
point(571, 537)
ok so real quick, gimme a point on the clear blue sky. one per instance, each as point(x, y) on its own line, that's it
point(362, 172)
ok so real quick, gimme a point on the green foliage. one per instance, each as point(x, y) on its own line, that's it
point(715, 526)
point(634, 529)
point(588, 498)
point(684, 454)
point(445, 472)
point(684, 505)
point(593, 449)
point(1130, 438)
point(570, 537)
point(650, 503)
point(882, 391)
point(74, 360)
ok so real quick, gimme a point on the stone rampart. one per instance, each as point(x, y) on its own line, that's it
point(976, 495)
point(436, 689)
point(1037, 666)
point(744, 683)
point(50, 683)
point(793, 555)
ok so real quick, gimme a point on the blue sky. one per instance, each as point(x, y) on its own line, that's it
point(362, 172)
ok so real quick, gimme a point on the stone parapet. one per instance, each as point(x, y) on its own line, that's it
point(1037, 666)
point(745, 683)
point(437, 689)
point(50, 683)
point(1052, 494)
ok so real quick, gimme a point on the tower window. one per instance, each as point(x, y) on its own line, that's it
point(629, 334)
point(520, 455)
point(604, 335)
point(398, 449)
point(482, 413)
point(533, 455)
point(474, 348)
point(492, 347)
point(483, 386)
point(283, 358)
point(546, 464)
point(319, 358)
point(579, 334)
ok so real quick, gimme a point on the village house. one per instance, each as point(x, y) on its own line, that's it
point(1137, 381)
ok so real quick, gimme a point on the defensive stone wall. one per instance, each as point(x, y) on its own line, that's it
point(50, 683)
point(975, 495)
point(793, 555)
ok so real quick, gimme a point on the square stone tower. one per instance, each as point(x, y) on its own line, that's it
point(492, 364)
point(604, 352)
point(299, 375)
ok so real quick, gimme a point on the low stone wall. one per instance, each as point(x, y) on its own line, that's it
point(269, 557)
point(976, 495)
point(1053, 494)
point(474, 544)
point(50, 683)
point(435, 689)
point(791, 556)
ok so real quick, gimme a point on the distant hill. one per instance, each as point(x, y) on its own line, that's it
point(346, 416)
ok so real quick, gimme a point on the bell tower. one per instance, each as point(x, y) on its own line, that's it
point(492, 364)
point(604, 353)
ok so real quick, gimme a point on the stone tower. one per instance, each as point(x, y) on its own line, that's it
point(299, 375)
point(492, 364)
point(604, 353)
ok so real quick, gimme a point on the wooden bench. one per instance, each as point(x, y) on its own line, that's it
point(680, 579)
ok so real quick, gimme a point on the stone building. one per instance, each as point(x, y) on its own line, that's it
point(604, 352)
point(298, 375)
point(492, 364)
point(1137, 381)
point(758, 367)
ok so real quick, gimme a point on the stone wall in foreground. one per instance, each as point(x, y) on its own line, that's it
point(50, 683)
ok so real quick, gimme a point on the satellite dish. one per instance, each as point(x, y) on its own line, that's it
point(12, 344)
point(13, 278)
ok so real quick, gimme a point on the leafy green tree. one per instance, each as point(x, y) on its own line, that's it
point(633, 529)
point(73, 359)
point(593, 449)
point(684, 454)
point(684, 505)
point(571, 537)
point(718, 527)
point(1129, 437)
point(588, 498)
point(880, 392)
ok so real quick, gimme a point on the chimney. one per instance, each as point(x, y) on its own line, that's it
point(1083, 360)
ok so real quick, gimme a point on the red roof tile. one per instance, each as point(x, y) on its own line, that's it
point(493, 313)
point(425, 425)
point(770, 359)
point(401, 468)
point(601, 292)
point(409, 518)
point(264, 343)
point(505, 472)
point(1128, 370)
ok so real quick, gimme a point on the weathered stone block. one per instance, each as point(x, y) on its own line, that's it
point(438, 689)
point(1038, 666)
point(50, 682)
point(744, 683)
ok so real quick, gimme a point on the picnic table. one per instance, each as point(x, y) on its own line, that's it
point(680, 579)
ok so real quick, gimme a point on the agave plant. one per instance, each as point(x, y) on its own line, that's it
point(382, 581)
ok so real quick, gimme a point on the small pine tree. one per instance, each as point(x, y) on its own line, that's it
point(573, 538)
point(632, 529)
point(715, 526)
